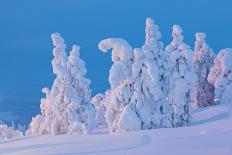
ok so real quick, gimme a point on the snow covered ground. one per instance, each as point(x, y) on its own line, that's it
point(210, 134)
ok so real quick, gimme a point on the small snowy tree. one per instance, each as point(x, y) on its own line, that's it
point(67, 107)
point(203, 59)
point(99, 102)
point(181, 79)
point(8, 132)
point(119, 115)
point(220, 76)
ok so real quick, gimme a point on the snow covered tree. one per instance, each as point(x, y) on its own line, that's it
point(203, 58)
point(8, 132)
point(136, 98)
point(67, 107)
point(181, 79)
point(99, 102)
point(119, 115)
point(148, 79)
point(220, 76)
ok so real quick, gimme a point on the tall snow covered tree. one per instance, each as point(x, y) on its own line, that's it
point(136, 99)
point(148, 79)
point(181, 79)
point(119, 115)
point(67, 107)
point(203, 59)
point(220, 76)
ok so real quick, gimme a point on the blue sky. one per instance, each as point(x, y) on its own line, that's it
point(26, 47)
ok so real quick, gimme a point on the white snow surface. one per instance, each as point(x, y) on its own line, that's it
point(210, 133)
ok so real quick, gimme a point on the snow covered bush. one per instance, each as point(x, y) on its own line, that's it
point(99, 102)
point(66, 107)
point(220, 76)
point(8, 132)
point(181, 79)
point(203, 59)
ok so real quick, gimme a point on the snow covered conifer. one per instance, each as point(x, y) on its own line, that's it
point(119, 115)
point(67, 107)
point(148, 79)
point(181, 79)
point(8, 132)
point(220, 76)
point(99, 102)
point(203, 59)
point(137, 83)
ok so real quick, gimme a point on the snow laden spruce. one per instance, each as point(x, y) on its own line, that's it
point(100, 104)
point(136, 98)
point(181, 79)
point(8, 132)
point(148, 73)
point(203, 59)
point(119, 114)
point(220, 76)
point(67, 107)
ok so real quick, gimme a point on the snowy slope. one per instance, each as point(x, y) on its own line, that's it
point(211, 134)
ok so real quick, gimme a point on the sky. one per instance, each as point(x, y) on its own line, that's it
point(26, 46)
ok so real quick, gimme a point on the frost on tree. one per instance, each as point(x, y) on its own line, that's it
point(99, 102)
point(181, 79)
point(137, 96)
point(8, 132)
point(148, 79)
point(66, 107)
point(203, 59)
point(220, 76)
point(119, 115)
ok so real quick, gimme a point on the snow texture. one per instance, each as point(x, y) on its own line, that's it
point(99, 102)
point(148, 72)
point(137, 83)
point(8, 132)
point(220, 76)
point(66, 107)
point(213, 136)
point(121, 89)
point(122, 54)
point(203, 59)
point(181, 79)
